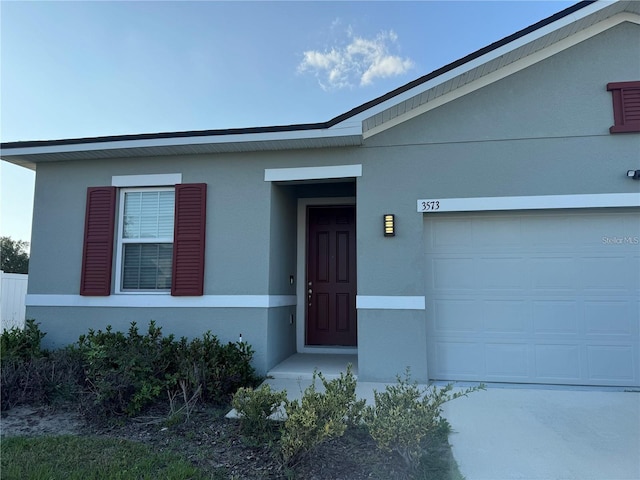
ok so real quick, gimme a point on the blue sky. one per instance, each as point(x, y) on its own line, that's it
point(77, 69)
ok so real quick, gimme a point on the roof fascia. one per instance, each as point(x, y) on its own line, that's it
point(109, 143)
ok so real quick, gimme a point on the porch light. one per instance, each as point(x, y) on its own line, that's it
point(389, 225)
point(635, 174)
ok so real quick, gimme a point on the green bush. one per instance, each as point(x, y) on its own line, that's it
point(319, 416)
point(255, 407)
point(218, 369)
point(404, 415)
point(23, 344)
point(125, 373)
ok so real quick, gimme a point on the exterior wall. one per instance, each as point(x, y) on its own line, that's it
point(281, 328)
point(389, 341)
point(250, 249)
point(541, 131)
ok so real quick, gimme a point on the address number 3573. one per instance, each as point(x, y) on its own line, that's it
point(428, 205)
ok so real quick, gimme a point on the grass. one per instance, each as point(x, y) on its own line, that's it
point(85, 458)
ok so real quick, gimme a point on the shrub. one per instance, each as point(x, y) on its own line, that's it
point(255, 406)
point(23, 344)
point(319, 416)
point(127, 373)
point(218, 369)
point(405, 414)
point(31, 375)
point(42, 380)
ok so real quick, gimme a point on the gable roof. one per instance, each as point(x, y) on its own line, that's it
point(486, 65)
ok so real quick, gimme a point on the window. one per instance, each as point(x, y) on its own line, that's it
point(145, 239)
point(626, 106)
point(159, 242)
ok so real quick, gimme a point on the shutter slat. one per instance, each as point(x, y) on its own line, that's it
point(189, 240)
point(95, 278)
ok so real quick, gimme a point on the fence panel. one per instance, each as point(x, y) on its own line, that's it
point(13, 292)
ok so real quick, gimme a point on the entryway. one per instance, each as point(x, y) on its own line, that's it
point(302, 366)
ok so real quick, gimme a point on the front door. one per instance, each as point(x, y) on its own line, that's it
point(331, 276)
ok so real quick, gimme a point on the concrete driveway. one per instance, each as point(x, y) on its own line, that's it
point(550, 434)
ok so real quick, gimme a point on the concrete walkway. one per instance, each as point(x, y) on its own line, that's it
point(546, 434)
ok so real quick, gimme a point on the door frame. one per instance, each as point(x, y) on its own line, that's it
point(301, 273)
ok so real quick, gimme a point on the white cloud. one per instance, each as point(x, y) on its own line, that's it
point(360, 62)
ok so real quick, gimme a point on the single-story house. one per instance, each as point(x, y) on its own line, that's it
point(481, 223)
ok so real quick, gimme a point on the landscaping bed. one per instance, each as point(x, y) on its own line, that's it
point(215, 446)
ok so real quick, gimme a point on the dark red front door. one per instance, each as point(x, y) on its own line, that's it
point(331, 276)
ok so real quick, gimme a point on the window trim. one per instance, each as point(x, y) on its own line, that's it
point(120, 241)
point(620, 105)
point(151, 180)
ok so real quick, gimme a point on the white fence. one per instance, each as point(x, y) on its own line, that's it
point(13, 292)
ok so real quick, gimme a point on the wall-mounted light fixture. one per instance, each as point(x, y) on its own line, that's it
point(635, 174)
point(389, 225)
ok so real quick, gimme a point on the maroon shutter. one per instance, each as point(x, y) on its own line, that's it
point(95, 279)
point(188, 240)
point(626, 106)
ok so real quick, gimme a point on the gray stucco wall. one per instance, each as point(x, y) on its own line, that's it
point(543, 130)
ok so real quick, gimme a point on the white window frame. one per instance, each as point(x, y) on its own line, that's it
point(120, 241)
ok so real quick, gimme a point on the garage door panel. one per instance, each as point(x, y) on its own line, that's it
point(557, 272)
point(608, 273)
point(506, 361)
point(501, 273)
point(451, 233)
point(506, 316)
point(610, 362)
point(454, 273)
point(460, 359)
point(551, 230)
point(456, 316)
point(557, 317)
point(558, 362)
point(534, 297)
point(496, 233)
point(610, 319)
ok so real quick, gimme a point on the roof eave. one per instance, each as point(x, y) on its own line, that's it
point(28, 154)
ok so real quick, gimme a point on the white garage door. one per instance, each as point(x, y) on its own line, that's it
point(534, 297)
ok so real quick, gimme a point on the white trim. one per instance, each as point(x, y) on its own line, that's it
point(146, 180)
point(301, 273)
point(162, 301)
point(311, 173)
point(395, 302)
point(534, 202)
point(336, 131)
point(493, 77)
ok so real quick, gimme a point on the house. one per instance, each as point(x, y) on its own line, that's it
point(481, 223)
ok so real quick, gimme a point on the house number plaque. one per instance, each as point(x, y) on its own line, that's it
point(428, 206)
